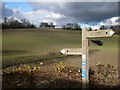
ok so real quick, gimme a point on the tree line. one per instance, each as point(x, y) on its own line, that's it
point(46, 25)
point(9, 23)
point(72, 26)
point(13, 23)
point(116, 28)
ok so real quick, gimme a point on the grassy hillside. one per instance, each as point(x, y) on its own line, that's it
point(31, 44)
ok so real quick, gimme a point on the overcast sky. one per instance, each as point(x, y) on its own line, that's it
point(60, 13)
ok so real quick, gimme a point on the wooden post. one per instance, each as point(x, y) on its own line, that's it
point(85, 59)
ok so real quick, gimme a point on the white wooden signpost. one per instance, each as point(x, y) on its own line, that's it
point(84, 51)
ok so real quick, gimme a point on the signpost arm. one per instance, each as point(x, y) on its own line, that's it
point(85, 59)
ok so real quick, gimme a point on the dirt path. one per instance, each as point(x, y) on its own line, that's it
point(103, 57)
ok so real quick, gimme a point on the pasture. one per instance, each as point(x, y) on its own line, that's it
point(35, 45)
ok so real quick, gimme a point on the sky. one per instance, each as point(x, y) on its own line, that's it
point(87, 14)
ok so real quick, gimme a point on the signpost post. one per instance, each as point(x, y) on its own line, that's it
point(84, 51)
point(85, 59)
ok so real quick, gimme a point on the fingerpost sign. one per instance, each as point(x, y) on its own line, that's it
point(84, 51)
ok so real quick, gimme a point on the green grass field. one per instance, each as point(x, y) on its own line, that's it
point(25, 45)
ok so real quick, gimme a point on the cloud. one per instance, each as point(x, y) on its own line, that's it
point(107, 22)
point(61, 0)
point(5, 10)
point(14, 12)
point(80, 11)
point(61, 13)
point(54, 15)
point(43, 16)
point(112, 21)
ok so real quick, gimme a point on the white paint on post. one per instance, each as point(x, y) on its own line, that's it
point(83, 57)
